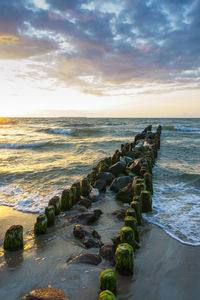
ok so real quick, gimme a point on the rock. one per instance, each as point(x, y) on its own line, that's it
point(124, 258)
point(146, 201)
point(40, 226)
point(106, 295)
point(86, 258)
point(107, 252)
point(108, 280)
point(119, 213)
point(88, 217)
point(66, 199)
point(55, 201)
point(136, 166)
point(117, 168)
point(120, 182)
point(127, 235)
point(50, 214)
point(100, 184)
point(116, 241)
point(85, 202)
point(46, 294)
point(13, 239)
point(125, 194)
point(94, 194)
point(89, 237)
point(85, 187)
point(108, 177)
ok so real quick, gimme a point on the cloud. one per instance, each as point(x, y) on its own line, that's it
point(101, 46)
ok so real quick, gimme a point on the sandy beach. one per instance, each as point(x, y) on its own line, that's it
point(164, 268)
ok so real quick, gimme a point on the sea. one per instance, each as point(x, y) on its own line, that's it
point(39, 157)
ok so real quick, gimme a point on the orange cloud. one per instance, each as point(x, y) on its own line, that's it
point(9, 39)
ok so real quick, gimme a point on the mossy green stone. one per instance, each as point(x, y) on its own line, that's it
point(138, 188)
point(85, 187)
point(127, 235)
point(13, 239)
point(137, 206)
point(66, 199)
point(50, 213)
point(73, 190)
point(124, 257)
point(55, 201)
point(108, 280)
point(77, 185)
point(148, 182)
point(40, 226)
point(131, 212)
point(146, 201)
point(107, 295)
point(123, 196)
point(132, 222)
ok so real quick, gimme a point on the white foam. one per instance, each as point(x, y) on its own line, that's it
point(62, 131)
point(20, 146)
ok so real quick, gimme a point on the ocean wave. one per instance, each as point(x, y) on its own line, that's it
point(181, 128)
point(73, 132)
point(23, 146)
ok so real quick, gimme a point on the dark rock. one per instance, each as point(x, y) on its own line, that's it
point(108, 253)
point(46, 294)
point(89, 237)
point(86, 258)
point(108, 177)
point(13, 239)
point(119, 213)
point(117, 168)
point(85, 202)
point(100, 184)
point(120, 183)
point(136, 166)
point(88, 217)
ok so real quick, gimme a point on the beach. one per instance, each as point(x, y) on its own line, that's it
point(167, 263)
point(163, 268)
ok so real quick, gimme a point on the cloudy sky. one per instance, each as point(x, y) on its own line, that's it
point(100, 58)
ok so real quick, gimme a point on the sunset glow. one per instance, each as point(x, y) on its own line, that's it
point(100, 58)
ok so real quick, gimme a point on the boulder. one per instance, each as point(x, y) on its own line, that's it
point(100, 184)
point(85, 202)
point(88, 217)
point(120, 182)
point(107, 252)
point(119, 213)
point(89, 237)
point(136, 166)
point(125, 194)
point(40, 226)
point(117, 168)
point(108, 177)
point(55, 201)
point(46, 294)
point(13, 239)
point(86, 258)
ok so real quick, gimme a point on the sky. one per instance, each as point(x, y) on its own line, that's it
point(100, 58)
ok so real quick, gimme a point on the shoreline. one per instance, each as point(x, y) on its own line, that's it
point(164, 268)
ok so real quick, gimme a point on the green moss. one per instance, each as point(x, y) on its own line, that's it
point(127, 235)
point(138, 188)
point(55, 201)
point(131, 212)
point(106, 295)
point(77, 185)
point(124, 257)
point(108, 280)
point(132, 222)
point(50, 214)
point(123, 195)
point(13, 239)
point(137, 207)
point(66, 199)
point(40, 226)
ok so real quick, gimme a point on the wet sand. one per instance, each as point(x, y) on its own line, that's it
point(164, 268)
